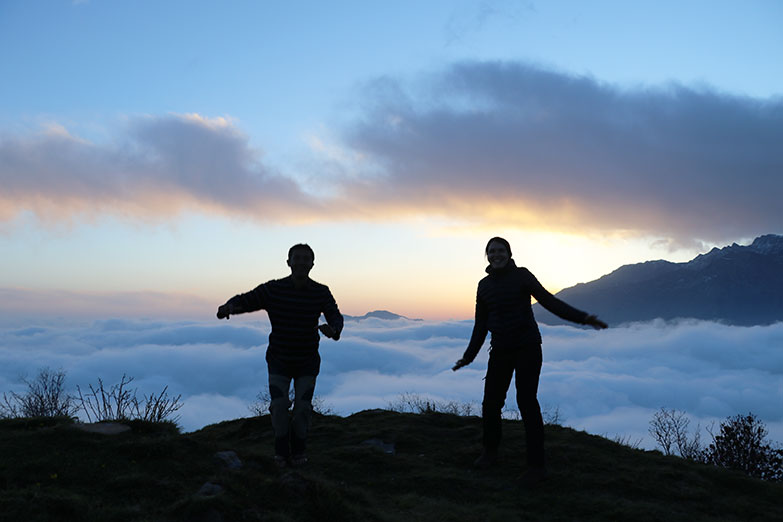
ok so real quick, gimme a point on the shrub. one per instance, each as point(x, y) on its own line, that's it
point(414, 403)
point(627, 441)
point(409, 402)
point(741, 444)
point(45, 397)
point(119, 403)
point(669, 428)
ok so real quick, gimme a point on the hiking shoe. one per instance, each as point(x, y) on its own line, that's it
point(487, 459)
point(299, 460)
point(280, 461)
point(534, 475)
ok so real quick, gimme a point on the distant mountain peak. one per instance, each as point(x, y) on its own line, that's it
point(378, 314)
point(736, 284)
point(768, 244)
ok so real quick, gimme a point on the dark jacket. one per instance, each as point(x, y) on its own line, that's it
point(503, 308)
point(293, 313)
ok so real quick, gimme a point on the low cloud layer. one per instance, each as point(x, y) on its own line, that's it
point(608, 382)
point(483, 141)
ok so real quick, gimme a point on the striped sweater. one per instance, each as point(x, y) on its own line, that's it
point(293, 313)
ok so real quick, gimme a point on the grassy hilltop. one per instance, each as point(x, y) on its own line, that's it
point(50, 470)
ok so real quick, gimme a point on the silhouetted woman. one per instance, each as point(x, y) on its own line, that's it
point(503, 308)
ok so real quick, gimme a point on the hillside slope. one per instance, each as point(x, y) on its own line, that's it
point(374, 465)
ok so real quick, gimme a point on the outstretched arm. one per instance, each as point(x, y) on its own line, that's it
point(561, 308)
point(477, 337)
point(243, 303)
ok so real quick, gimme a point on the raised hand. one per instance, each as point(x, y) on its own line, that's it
point(459, 364)
point(223, 311)
point(595, 322)
point(328, 331)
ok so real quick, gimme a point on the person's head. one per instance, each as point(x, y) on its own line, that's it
point(498, 252)
point(300, 259)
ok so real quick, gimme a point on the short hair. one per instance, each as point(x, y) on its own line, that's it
point(499, 240)
point(301, 246)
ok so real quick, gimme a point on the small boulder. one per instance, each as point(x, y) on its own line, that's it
point(386, 447)
point(228, 459)
point(209, 489)
point(294, 482)
point(105, 428)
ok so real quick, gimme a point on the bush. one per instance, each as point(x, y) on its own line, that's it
point(409, 402)
point(45, 397)
point(669, 428)
point(742, 445)
point(414, 403)
point(119, 403)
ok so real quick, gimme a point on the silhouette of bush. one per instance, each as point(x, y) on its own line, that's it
point(415, 403)
point(669, 428)
point(628, 441)
point(45, 397)
point(741, 444)
point(119, 403)
point(409, 402)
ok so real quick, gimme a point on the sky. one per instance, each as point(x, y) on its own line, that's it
point(163, 148)
point(157, 158)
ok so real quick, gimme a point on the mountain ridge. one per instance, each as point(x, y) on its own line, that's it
point(737, 285)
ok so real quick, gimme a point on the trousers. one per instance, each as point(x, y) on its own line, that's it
point(525, 363)
point(291, 431)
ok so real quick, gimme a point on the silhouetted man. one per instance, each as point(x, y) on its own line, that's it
point(294, 305)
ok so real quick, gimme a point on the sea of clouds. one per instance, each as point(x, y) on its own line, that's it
point(608, 382)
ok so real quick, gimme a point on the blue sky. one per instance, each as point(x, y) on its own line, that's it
point(157, 158)
point(150, 146)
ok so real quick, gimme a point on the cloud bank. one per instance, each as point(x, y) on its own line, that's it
point(609, 382)
point(495, 142)
point(156, 168)
point(514, 143)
